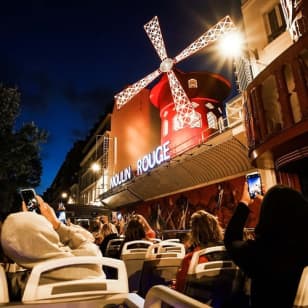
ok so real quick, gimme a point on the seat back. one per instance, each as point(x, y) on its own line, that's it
point(161, 265)
point(301, 298)
point(74, 289)
point(162, 296)
point(217, 283)
point(214, 253)
point(135, 246)
point(113, 248)
point(4, 294)
point(176, 240)
point(165, 249)
point(133, 254)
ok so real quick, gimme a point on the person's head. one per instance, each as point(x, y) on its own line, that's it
point(134, 231)
point(205, 228)
point(21, 230)
point(95, 226)
point(106, 229)
point(104, 219)
point(142, 220)
point(96, 229)
point(283, 214)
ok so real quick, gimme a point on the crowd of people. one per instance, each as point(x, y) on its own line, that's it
point(273, 260)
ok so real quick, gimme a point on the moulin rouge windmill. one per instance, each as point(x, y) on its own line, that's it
point(184, 107)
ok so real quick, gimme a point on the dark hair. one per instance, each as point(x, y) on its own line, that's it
point(283, 214)
point(95, 225)
point(134, 231)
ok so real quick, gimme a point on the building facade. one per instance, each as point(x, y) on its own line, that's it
point(264, 128)
point(277, 99)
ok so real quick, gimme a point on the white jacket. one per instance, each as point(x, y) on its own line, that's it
point(29, 238)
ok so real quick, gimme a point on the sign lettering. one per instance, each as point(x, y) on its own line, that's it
point(121, 177)
point(148, 162)
point(153, 159)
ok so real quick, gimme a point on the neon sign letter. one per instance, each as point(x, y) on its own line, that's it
point(155, 158)
point(121, 177)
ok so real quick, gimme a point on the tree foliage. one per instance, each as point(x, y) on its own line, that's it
point(20, 161)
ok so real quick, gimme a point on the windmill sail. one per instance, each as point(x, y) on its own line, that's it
point(183, 106)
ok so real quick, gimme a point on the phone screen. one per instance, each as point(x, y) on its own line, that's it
point(254, 184)
point(28, 195)
point(62, 216)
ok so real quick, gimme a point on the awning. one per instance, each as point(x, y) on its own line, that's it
point(222, 157)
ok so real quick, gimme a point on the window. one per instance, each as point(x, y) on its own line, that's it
point(176, 123)
point(165, 128)
point(212, 120)
point(275, 23)
point(192, 83)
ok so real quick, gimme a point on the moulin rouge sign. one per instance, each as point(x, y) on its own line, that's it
point(146, 163)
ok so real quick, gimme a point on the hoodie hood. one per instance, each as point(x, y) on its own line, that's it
point(28, 238)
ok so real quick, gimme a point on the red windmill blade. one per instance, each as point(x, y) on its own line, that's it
point(183, 106)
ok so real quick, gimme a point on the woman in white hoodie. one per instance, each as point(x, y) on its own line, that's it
point(29, 238)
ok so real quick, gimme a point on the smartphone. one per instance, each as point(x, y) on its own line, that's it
point(254, 184)
point(62, 216)
point(28, 195)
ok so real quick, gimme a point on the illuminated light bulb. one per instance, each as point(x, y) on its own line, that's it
point(232, 44)
point(96, 167)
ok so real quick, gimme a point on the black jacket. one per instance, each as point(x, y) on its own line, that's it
point(105, 241)
point(274, 263)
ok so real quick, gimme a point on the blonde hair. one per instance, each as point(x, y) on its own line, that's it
point(205, 228)
point(106, 229)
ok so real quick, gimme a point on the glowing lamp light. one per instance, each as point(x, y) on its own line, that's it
point(64, 195)
point(231, 44)
point(96, 167)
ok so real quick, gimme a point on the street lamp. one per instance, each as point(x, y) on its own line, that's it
point(100, 163)
point(64, 195)
point(61, 207)
point(96, 167)
point(232, 45)
point(63, 198)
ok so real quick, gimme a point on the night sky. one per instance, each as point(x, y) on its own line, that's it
point(68, 58)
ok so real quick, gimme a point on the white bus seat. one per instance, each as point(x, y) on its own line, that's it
point(4, 293)
point(215, 253)
point(301, 298)
point(113, 248)
point(160, 265)
point(75, 289)
point(127, 300)
point(134, 246)
point(165, 249)
point(218, 283)
point(133, 259)
point(176, 240)
point(159, 295)
point(155, 240)
point(112, 251)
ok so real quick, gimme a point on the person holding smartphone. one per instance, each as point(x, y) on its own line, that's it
point(275, 259)
point(29, 238)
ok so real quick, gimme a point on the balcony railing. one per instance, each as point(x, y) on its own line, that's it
point(233, 118)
